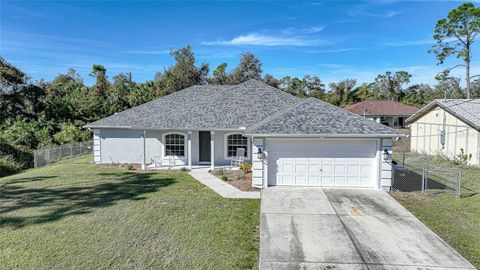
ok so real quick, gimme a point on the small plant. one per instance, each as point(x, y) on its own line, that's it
point(462, 158)
point(221, 171)
point(184, 169)
point(130, 167)
point(239, 176)
point(246, 167)
point(224, 178)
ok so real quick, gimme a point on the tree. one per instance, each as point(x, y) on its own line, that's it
point(249, 68)
point(11, 78)
point(100, 88)
point(270, 80)
point(448, 87)
point(475, 88)
point(117, 99)
point(293, 86)
point(313, 86)
point(184, 73)
point(342, 91)
point(220, 75)
point(390, 85)
point(455, 35)
point(419, 94)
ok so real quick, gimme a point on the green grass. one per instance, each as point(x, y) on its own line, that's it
point(73, 214)
point(456, 220)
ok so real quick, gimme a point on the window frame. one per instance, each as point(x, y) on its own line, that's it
point(225, 145)
point(164, 144)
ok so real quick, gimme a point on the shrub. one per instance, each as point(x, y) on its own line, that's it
point(462, 158)
point(220, 171)
point(68, 134)
point(21, 155)
point(184, 169)
point(224, 178)
point(8, 166)
point(246, 167)
point(130, 167)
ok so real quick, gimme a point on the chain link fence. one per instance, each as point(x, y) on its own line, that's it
point(426, 180)
point(413, 172)
point(45, 156)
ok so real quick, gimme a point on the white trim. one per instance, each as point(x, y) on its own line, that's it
point(225, 145)
point(212, 150)
point(372, 136)
point(189, 148)
point(165, 129)
point(184, 144)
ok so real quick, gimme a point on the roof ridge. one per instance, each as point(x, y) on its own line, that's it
point(278, 114)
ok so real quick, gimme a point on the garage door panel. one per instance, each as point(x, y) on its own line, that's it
point(354, 181)
point(353, 169)
point(314, 168)
point(314, 180)
point(322, 163)
point(339, 180)
point(327, 181)
point(340, 169)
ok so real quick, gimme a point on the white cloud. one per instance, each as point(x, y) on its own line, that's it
point(405, 43)
point(300, 31)
point(340, 50)
point(153, 52)
point(361, 10)
point(256, 39)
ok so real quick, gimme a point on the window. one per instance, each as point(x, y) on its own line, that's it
point(175, 145)
point(235, 141)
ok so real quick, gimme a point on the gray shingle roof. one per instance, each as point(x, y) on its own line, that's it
point(204, 106)
point(315, 117)
point(467, 110)
point(253, 105)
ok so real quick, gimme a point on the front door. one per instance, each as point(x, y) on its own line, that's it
point(204, 146)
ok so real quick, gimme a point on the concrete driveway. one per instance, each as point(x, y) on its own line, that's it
point(315, 228)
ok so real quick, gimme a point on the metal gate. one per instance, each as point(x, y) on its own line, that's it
point(426, 180)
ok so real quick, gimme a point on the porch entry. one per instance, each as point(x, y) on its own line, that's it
point(204, 146)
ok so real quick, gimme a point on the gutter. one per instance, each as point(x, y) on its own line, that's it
point(162, 129)
point(327, 135)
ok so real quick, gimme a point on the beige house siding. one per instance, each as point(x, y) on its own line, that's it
point(425, 136)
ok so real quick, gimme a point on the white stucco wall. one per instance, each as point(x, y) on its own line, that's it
point(121, 146)
point(385, 164)
point(425, 136)
point(126, 146)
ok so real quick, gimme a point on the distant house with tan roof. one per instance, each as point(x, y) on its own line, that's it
point(387, 112)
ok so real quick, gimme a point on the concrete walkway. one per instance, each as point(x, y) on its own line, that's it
point(223, 189)
point(315, 228)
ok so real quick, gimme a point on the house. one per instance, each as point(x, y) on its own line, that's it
point(446, 127)
point(288, 140)
point(387, 112)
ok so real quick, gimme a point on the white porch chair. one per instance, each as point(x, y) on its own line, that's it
point(239, 158)
point(171, 161)
point(157, 161)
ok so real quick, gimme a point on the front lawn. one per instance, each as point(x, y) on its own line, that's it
point(73, 214)
point(456, 220)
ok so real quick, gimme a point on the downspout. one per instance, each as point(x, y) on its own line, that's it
point(144, 160)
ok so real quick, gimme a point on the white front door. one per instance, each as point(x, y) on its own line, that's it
point(327, 162)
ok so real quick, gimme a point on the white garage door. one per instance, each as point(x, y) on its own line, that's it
point(314, 162)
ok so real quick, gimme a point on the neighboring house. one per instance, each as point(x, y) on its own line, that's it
point(445, 126)
point(386, 112)
point(288, 140)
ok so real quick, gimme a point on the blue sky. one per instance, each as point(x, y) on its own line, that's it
point(333, 40)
